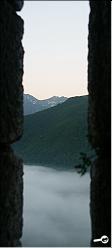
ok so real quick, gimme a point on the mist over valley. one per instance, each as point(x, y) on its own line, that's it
point(56, 208)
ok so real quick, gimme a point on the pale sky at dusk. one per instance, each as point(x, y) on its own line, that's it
point(55, 43)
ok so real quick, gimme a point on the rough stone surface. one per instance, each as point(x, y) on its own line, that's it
point(16, 4)
point(99, 86)
point(11, 71)
point(11, 200)
point(11, 125)
point(99, 73)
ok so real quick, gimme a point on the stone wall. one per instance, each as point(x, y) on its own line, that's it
point(11, 122)
point(11, 119)
point(99, 86)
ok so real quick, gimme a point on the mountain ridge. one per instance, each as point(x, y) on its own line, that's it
point(56, 135)
point(32, 104)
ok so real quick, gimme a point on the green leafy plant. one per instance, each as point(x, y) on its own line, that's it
point(85, 164)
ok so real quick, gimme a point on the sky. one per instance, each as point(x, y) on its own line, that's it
point(56, 47)
point(56, 208)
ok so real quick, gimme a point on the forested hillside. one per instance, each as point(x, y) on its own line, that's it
point(57, 135)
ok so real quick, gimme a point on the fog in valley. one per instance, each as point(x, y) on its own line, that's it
point(56, 208)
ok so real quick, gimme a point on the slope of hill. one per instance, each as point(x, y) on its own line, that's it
point(57, 135)
point(32, 105)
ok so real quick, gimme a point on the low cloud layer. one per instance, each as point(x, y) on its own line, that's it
point(56, 208)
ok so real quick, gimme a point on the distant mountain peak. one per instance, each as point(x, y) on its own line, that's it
point(32, 104)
